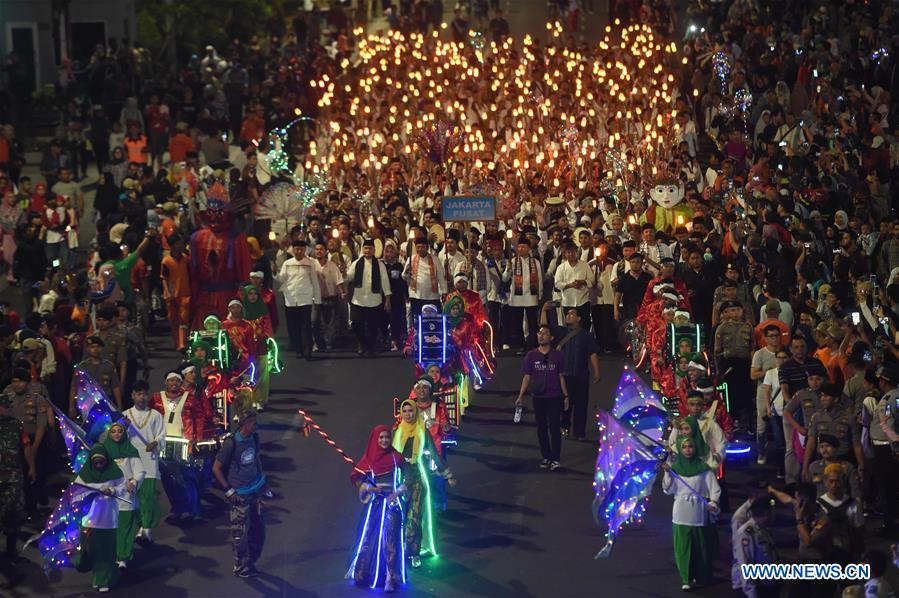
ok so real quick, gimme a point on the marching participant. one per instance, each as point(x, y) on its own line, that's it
point(178, 410)
point(149, 423)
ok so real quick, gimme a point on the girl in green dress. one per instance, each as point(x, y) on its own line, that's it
point(99, 526)
point(127, 459)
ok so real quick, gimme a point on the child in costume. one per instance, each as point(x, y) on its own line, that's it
point(256, 312)
point(99, 527)
point(121, 452)
point(695, 538)
point(149, 423)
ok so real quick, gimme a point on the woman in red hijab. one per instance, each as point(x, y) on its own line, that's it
point(378, 552)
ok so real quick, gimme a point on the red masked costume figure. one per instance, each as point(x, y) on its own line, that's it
point(220, 258)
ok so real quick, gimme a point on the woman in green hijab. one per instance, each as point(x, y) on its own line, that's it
point(127, 459)
point(696, 494)
point(98, 527)
point(256, 312)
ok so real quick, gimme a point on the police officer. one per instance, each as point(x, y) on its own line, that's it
point(797, 412)
point(114, 345)
point(837, 420)
point(733, 348)
point(28, 404)
point(15, 451)
point(101, 370)
point(827, 445)
point(135, 345)
point(753, 545)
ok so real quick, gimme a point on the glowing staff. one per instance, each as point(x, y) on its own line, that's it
point(222, 348)
point(492, 350)
point(474, 367)
point(430, 520)
point(309, 422)
point(273, 356)
point(484, 355)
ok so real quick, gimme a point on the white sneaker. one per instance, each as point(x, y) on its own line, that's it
point(506, 347)
point(762, 459)
point(554, 465)
point(121, 564)
point(140, 534)
point(103, 590)
point(686, 587)
point(147, 535)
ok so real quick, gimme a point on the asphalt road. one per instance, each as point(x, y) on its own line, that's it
point(511, 528)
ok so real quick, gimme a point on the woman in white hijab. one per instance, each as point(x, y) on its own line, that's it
point(841, 220)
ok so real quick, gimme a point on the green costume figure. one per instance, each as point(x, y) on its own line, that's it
point(126, 457)
point(696, 493)
point(256, 312)
point(100, 526)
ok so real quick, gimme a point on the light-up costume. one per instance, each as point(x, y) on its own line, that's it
point(378, 553)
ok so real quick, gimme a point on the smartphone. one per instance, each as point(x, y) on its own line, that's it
point(56, 263)
point(856, 318)
point(814, 72)
point(807, 245)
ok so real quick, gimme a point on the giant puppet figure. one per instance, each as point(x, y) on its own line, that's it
point(219, 254)
point(668, 211)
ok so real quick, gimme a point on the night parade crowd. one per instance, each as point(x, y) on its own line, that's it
point(709, 191)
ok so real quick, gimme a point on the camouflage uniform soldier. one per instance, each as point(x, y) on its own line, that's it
point(14, 448)
point(28, 404)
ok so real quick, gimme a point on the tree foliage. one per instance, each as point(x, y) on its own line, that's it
point(192, 24)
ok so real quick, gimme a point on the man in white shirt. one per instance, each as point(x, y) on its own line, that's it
point(299, 283)
point(425, 276)
point(497, 292)
point(475, 270)
point(368, 282)
point(450, 256)
point(146, 425)
point(333, 290)
point(526, 277)
point(574, 279)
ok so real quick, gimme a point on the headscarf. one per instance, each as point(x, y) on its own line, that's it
point(197, 344)
point(123, 449)
point(702, 449)
point(841, 220)
point(89, 475)
point(685, 467)
point(404, 431)
point(447, 309)
point(377, 461)
point(252, 310)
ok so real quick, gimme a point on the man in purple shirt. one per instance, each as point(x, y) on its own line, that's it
point(543, 371)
